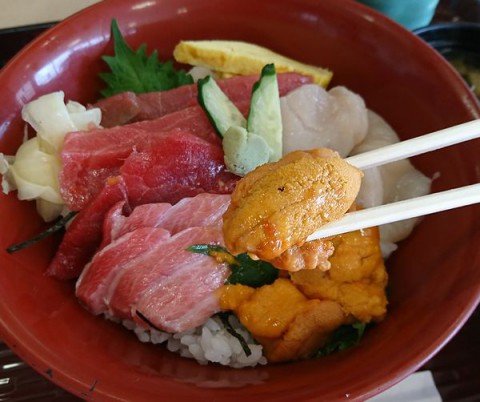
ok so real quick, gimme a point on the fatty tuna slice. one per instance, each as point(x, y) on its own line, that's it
point(113, 222)
point(202, 210)
point(98, 274)
point(167, 260)
point(185, 299)
point(147, 258)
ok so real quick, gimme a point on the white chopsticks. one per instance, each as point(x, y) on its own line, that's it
point(416, 146)
point(414, 207)
point(398, 211)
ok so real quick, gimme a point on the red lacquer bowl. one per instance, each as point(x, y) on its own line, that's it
point(435, 275)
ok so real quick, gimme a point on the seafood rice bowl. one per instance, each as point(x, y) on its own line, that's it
point(181, 200)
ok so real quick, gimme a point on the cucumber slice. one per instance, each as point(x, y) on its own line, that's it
point(265, 117)
point(244, 151)
point(220, 110)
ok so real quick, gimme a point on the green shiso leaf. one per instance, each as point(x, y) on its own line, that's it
point(343, 338)
point(244, 270)
point(136, 71)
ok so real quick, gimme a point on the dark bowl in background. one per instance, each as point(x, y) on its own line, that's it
point(459, 43)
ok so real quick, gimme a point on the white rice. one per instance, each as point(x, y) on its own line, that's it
point(210, 342)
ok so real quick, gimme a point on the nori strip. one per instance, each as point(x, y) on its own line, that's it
point(59, 225)
point(143, 318)
point(224, 318)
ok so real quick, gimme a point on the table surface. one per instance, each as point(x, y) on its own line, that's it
point(454, 368)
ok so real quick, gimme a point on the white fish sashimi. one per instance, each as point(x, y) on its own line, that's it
point(411, 184)
point(389, 183)
point(371, 190)
point(315, 118)
point(379, 134)
point(199, 72)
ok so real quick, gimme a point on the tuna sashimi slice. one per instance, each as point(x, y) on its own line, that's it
point(90, 157)
point(118, 109)
point(153, 105)
point(113, 222)
point(84, 234)
point(97, 276)
point(202, 210)
point(166, 260)
point(180, 165)
point(183, 300)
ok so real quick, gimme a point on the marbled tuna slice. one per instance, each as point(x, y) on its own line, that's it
point(169, 259)
point(202, 210)
point(113, 222)
point(183, 300)
point(97, 276)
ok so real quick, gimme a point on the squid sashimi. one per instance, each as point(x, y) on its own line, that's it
point(315, 118)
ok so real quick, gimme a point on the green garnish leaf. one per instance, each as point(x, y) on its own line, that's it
point(252, 273)
point(244, 270)
point(59, 225)
point(343, 338)
point(135, 71)
point(207, 249)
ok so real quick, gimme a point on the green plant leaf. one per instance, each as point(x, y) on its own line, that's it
point(244, 270)
point(136, 71)
point(343, 338)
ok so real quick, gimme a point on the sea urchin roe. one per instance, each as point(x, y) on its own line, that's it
point(280, 204)
point(282, 319)
point(356, 279)
point(310, 255)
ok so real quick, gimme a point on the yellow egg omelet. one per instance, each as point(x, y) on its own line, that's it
point(228, 58)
